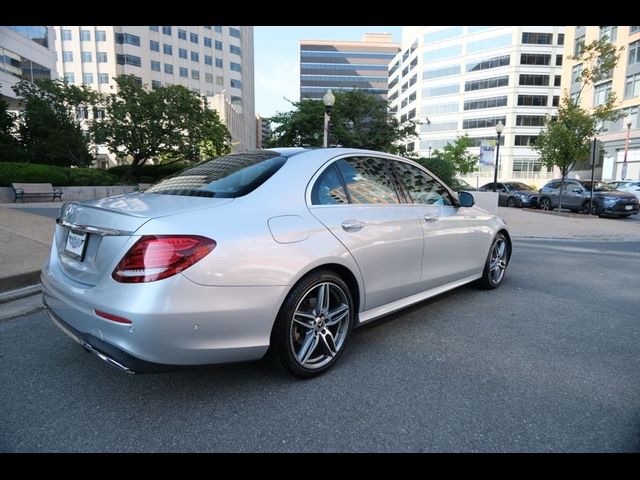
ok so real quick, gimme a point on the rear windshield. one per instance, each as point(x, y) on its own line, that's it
point(230, 176)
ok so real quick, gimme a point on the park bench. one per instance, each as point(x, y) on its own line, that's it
point(36, 190)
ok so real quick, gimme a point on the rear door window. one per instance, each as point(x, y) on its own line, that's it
point(368, 180)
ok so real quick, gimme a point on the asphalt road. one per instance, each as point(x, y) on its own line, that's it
point(549, 362)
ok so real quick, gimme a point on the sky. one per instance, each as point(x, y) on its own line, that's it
point(277, 60)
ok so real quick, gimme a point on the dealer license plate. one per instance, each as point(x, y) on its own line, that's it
point(628, 207)
point(76, 244)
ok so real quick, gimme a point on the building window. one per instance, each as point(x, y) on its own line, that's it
point(235, 100)
point(634, 29)
point(634, 53)
point(441, 90)
point(576, 74)
point(218, 45)
point(208, 42)
point(70, 77)
point(481, 103)
point(156, 84)
point(557, 80)
point(533, 100)
point(555, 101)
point(103, 78)
point(166, 30)
point(525, 140)
point(236, 83)
point(610, 32)
point(483, 122)
point(167, 49)
point(208, 77)
point(195, 74)
point(535, 59)
point(601, 93)
point(441, 72)
point(219, 80)
point(67, 56)
point(632, 86)
point(86, 57)
point(219, 62)
point(182, 34)
point(184, 72)
point(537, 38)
point(128, 39)
point(182, 52)
point(558, 60)
point(154, 28)
point(234, 32)
point(530, 120)
point(66, 35)
point(155, 65)
point(535, 80)
point(487, 63)
point(217, 28)
point(489, 43)
point(444, 34)
point(578, 45)
point(485, 83)
point(168, 68)
point(85, 36)
point(561, 39)
point(128, 60)
point(193, 37)
point(154, 46)
point(87, 78)
point(195, 57)
point(235, 67)
point(208, 60)
point(442, 53)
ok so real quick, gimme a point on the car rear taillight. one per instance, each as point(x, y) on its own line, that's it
point(155, 257)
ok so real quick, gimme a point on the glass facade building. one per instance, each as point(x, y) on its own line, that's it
point(346, 65)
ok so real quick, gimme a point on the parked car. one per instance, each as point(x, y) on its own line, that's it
point(460, 185)
point(513, 194)
point(577, 194)
point(627, 186)
point(283, 250)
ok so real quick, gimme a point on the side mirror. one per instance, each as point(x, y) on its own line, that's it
point(465, 199)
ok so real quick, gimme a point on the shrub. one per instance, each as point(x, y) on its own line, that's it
point(58, 176)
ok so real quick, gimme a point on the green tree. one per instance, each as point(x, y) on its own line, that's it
point(442, 167)
point(358, 120)
point(10, 150)
point(457, 152)
point(566, 139)
point(170, 121)
point(47, 127)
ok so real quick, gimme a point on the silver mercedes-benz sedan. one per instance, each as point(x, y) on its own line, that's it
point(282, 251)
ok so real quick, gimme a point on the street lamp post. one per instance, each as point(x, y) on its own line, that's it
point(499, 128)
point(628, 122)
point(329, 99)
point(429, 150)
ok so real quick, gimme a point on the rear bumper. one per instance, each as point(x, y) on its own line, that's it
point(173, 324)
point(620, 209)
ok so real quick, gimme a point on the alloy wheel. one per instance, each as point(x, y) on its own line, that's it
point(319, 325)
point(498, 262)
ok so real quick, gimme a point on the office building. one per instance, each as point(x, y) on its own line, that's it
point(624, 81)
point(25, 53)
point(211, 60)
point(263, 130)
point(460, 80)
point(339, 66)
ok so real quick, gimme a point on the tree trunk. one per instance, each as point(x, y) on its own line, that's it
point(564, 176)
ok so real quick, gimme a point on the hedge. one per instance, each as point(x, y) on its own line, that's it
point(11, 172)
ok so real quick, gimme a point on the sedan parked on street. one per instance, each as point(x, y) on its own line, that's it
point(577, 197)
point(627, 186)
point(513, 194)
point(282, 250)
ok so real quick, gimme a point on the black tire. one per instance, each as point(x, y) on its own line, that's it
point(289, 337)
point(511, 202)
point(590, 208)
point(545, 204)
point(489, 279)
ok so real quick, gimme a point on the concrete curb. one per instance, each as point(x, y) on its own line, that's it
point(19, 280)
point(12, 295)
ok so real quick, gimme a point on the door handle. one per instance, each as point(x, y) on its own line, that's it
point(352, 225)
point(433, 218)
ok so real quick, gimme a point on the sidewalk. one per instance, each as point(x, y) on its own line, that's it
point(26, 240)
point(26, 237)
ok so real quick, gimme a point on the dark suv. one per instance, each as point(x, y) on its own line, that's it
point(606, 200)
